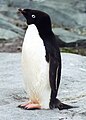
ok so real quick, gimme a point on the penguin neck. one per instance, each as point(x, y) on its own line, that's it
point(44, 30)
point(32, 29)
point(32, 33)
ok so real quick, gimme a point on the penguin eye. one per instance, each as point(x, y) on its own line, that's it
point(33, 16)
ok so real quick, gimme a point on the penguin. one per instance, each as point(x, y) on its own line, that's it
point(41, 63)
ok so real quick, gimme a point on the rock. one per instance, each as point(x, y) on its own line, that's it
point(81, 43)
point(7, 34)
point(9, 26)
point(68, 36)
point(68, 18)
point(12, 46)
point(8, 29)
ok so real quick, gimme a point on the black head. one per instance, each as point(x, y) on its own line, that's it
point(39, 18)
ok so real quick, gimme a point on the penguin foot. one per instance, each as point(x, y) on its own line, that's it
point(58, 104)
point(30, 106)
point(61, 106)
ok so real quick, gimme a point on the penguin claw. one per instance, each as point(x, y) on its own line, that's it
point(20, 106)
point(23, 105)
point(31, 108)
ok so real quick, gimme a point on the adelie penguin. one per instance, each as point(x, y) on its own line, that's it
point(41, 62)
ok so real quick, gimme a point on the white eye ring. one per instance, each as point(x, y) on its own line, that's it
point(33, 16)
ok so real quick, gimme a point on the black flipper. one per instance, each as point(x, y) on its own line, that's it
point(52, 77)
point(54, 74)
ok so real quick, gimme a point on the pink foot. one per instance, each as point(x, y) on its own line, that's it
point(30, 106)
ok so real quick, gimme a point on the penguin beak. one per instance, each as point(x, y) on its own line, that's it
point(21, 11)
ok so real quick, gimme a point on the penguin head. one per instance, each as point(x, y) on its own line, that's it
point(36, 17)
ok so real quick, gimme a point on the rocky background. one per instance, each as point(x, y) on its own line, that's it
point(68, 22)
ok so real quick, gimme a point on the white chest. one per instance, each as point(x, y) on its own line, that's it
point(34, 64)
point(35, 68)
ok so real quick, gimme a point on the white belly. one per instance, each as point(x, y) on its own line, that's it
point(35, 68)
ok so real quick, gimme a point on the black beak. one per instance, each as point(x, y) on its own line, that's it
point(21, 11)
